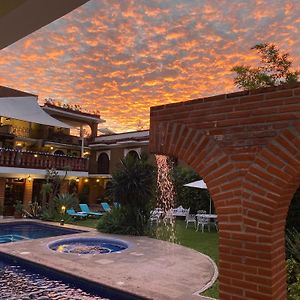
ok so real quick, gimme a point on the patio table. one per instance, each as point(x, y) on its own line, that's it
point(208, 216)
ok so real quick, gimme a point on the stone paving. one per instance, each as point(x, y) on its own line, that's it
point(150, 268)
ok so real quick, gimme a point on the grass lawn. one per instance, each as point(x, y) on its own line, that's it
point(92, 223)
point(206, 242)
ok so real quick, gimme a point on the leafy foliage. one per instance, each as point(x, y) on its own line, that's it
point(66, 200)
point(192, 198)
point(19, 206)
point(51, 188)
point(120, 221)
point(275, 69)
point(293, 244)
point(293, 279)
point(34, 210)
point(133, 185)
point(50, 215)
point(55, 213)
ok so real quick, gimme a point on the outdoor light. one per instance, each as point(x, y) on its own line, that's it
point(86, 180)
point(77, 179)
point(19, 144)
point(98, 180)
point(63, 210)
point(51, 148)
point(35, 155)
point(29, 178)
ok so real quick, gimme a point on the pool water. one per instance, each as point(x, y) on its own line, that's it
point(23, 280)
point(17, 231)
point(8, 238)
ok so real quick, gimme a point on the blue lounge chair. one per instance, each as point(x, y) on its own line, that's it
point(71, 212)
point(85, 209)
point(105, 206)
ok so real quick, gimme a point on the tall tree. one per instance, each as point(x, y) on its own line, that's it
point(275, 69)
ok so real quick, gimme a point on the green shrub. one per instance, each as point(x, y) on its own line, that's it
point(55, 213)
point(120, 221)
point(66, 200)
point(293, 244)
point(50, 214)
point(133, 186)
point(293, 279)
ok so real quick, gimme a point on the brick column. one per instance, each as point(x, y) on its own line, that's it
point(246, 146)
point(27, 193)
point(64, 187)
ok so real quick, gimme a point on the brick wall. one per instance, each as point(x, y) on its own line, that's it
point(246, 147)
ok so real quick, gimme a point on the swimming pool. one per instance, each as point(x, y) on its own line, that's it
point(21, 279)
point(17, 231)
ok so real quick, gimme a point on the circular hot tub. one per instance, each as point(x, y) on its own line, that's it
point(88, 246)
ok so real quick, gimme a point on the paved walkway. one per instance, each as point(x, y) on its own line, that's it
point(150, 268)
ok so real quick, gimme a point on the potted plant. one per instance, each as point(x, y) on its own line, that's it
point(18, 209)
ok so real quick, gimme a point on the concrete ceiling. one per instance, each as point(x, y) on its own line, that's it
point(18, 18)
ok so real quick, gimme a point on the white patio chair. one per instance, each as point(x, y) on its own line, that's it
point(169, 216)
point(190, 218)
point(154, 217)
point(202, 220)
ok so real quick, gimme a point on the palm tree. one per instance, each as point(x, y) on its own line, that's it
point(133, 185)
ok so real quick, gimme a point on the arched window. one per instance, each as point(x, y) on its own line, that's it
point(103, 163)
point(133, 154)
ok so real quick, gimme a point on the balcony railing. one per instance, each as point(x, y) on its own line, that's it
point(41, 160)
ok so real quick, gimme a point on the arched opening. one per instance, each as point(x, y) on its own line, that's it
point(133, 154)
point(103, 163)
point(59, 152)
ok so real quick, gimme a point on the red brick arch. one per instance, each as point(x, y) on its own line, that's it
point(246, 146)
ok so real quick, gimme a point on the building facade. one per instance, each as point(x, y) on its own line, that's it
point(34, 139)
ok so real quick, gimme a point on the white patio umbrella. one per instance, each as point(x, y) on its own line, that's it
point(199, 184)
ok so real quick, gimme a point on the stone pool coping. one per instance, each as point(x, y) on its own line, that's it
point(150, 268)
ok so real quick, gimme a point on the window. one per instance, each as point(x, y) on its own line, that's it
point(59, 152)
point(133, 154)
point(103, 163)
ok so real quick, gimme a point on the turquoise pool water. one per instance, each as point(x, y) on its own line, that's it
point(17, 231)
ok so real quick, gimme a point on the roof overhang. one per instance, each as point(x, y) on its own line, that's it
point(74, 119)
point(27, 109)
point(18, 18)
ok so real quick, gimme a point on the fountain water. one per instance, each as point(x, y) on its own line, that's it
point(166, 193)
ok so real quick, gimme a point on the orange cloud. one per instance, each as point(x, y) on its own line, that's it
point(122, 57)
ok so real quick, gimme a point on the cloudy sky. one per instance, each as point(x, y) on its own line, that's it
point(124, 56)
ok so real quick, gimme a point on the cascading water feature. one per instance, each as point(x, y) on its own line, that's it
point(166, 192)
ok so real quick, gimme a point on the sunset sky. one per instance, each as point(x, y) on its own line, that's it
point(124, 56)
